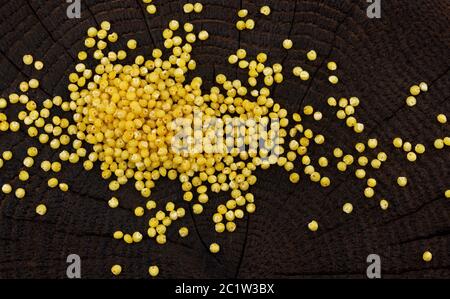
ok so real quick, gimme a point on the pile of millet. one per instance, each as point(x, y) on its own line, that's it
point(125, 119)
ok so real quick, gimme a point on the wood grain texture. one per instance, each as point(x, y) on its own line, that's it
point(378, 61)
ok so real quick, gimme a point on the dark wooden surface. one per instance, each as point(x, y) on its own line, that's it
point(378, 61)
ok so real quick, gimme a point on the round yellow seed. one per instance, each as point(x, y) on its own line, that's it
point(265, 10)
point(23, 175)
point(132, 44)
point(134, 149)
point(233, 59)
point(220, 227)
point(347, 208)
point(198, 7)
point(348, 159)
point(402, 181)
point(333, 79)
point(23, 86)
point(338, 153)
point(7, 155)
point(427, 256)
point(153, 271)
point(150, 205)
point(287, 44)
point(32, 151)
point(197, 208)
point(183, 232)
point(203, 35)
point(411, 101)
point(27, 59)
point(128, 238)
point(174, 25)
point(304, 75)
point(296, 71)
point(311, 55)
point(407, 146)
point(313, 226)
point(41, 209)
point(384, 204)
point(105, 25)
point(56, 167)
point(118, 235)
point(332, 101)
point(323, 162)
point(137, 237)
point(240, 25)
point(188, 8)
point(38, 65)
point(242, 13)
point(3, 103)
point(332, 66)
point(414, 90)
point(439, 143)
point(447, 193)
point(20, 193)
point(360, 173)
point(343, 102)
point(354, 101)
point(411, 156)
point(369, 192)
point(341, 166)
point(250, 208)
point(113, 202)
point(230, 226)
point(6, 188)
point(371, 182)
point(52, 183)
point(358, 128)
point(382, 156)
point(441, 118)
point(214, 248)
point(375, 163)
point(139, 211)
point(46, 165)
point(33, 83)
point(308, 110)
point(250, 24)
point(423, 86)
point(397, 142)
point(350, 121)
point(419, 148)
point(82, 55)
point(151, 9)
point(294, 178)
point(447, 141)
point(372, 143)
point(325, 182)
point(116, 270)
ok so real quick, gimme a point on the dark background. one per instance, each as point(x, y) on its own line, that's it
point(378, 59)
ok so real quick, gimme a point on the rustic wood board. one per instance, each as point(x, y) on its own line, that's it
point(379, 59)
